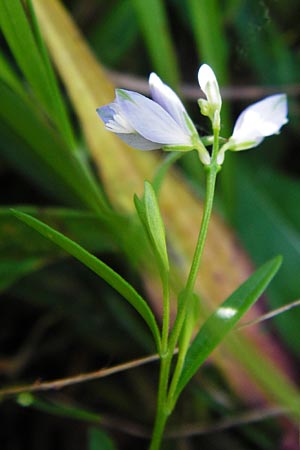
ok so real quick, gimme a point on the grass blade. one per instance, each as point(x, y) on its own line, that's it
point(46, 146)
point(153, 21)
point(30, 53)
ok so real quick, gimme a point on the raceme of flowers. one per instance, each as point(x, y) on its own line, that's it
point(163, 122)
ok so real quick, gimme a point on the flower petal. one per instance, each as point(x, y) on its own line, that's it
point(209, 85)
point(113, 118)
point(264, 118)
point(162, 94)
point(150, 120)
point(113, 122)
point(259, 120)
point(137, 141)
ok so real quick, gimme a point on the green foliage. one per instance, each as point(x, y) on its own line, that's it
point(149, 213)
point(119, 21)
point(153, 21)
point(28, 49)
point(268, 220)
point(99, 440)
point(224, 319)
point(97, 266)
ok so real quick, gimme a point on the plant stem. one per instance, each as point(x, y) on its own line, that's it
point(212, 171)
point(166, 312)
point(166, 359)
point(161, 415)
point(165, 400)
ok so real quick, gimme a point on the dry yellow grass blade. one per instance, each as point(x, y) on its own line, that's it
point(123, 171)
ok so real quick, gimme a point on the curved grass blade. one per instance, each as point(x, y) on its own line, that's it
point(28, 48)
point(153, 21)
point(224, 319)
point(98, 267)
point(46, 147)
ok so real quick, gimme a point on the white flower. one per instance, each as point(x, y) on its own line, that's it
point(209, 85)
point(150, 124)
point(259, 120)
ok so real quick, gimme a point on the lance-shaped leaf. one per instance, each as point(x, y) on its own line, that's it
point(224, 319)
point(149, 213)
point(98, 267)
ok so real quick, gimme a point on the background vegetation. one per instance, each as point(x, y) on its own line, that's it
point(58, 319)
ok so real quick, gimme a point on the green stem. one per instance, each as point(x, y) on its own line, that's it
point(161, 414)
point(212, 171)
point(165, 401)
point(166, 312)
point(166, 359)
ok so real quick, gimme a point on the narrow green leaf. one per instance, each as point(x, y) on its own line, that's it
point(140, 208)
point(8, 75)
point(207, 25)
point(153, 21)
point(98, 267)
point(46, 146)
point(31, 55)
point(224, 319)
point(156, 228)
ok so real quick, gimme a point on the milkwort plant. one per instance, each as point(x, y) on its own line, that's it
point(163, 122)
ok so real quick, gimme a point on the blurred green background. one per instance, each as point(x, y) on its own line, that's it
point(58, 319)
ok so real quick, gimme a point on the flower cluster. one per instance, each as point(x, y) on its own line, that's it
point(163, 122)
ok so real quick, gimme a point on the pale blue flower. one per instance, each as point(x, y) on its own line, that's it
point(151, 124)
